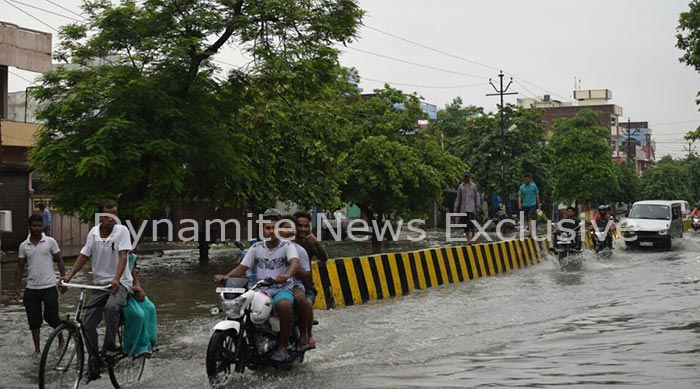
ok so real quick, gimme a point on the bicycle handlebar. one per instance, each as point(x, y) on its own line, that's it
point(83, 286)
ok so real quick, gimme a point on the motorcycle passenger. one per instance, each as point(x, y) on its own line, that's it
point(303, 304)
point(570, 222)
point(279, 260)
point(602, 220)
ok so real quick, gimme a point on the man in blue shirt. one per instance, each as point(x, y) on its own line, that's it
point(45, 218)
point(529, 199)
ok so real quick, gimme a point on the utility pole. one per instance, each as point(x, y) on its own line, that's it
point(630, 146)
point(501, 92)
point(690, 149)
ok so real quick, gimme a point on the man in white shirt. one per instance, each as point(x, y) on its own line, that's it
point(41, 252)
point(279, 260)
point(107, 245)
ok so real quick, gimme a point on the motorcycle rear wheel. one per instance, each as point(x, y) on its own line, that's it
point(221, 354)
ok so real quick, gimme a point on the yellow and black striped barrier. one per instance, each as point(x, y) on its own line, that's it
point(355, 281)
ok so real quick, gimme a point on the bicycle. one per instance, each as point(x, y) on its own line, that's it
point(62, 361)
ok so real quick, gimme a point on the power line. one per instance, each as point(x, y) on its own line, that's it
point(417, 64)
point(30, 15)
point(17, 75)
point(66, 9)
point(431, 48)
point(425, 86)
point(44, 10)
point(462, 59)
point(526, 90)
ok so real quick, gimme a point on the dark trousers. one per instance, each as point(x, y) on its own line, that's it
point(33, 300)
point(111, 305)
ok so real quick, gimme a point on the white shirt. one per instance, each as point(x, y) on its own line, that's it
point(105, 255)
point(40, 258)
point(270, 263)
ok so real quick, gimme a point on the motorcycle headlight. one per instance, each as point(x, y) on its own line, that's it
point(663, 232)
point(232, 308)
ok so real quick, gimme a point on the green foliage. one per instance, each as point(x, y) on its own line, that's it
point(454, 118)
point(583, 169)
point(692, 168)
point(479, 145)
point(388, 166)
point(667, 180)
point(150, 121)
point(628, 182)
point(688, 39)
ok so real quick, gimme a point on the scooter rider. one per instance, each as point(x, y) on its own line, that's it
point(602, 220)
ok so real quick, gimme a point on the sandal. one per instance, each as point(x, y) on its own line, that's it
point(279, 357)
point(312, 344)
point(303, 348)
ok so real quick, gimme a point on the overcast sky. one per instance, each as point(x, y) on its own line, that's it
point(627, 46)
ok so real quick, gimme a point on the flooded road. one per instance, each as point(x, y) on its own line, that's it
point(633, 319)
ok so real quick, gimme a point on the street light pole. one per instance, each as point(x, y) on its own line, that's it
point(501, 92)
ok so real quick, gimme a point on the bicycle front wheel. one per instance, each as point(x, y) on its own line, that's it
point(61, 363)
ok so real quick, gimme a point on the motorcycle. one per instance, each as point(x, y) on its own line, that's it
point(248, 335)
point(602, 242)
point(696, 223)
point(568, 253)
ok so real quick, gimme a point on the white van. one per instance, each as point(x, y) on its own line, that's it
point(685, 208)
point(653, 223)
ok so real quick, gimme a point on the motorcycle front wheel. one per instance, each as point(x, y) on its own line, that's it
point(221, 356)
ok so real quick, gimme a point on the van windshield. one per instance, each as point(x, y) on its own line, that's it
point(650, 211)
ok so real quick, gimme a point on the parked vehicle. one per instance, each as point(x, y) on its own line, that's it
point(653, 223)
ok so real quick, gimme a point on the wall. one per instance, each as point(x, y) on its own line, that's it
point(357, 280)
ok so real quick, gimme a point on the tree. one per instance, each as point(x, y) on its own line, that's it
point(583, 169)
point(452, 119)
point(667, 180)
point(151, 121)
point(628, 182)
point(389, 167)
point(688, 37)
point(479, 145)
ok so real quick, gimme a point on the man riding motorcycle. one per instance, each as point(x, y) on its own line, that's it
point(570, 222)
point(601, 220)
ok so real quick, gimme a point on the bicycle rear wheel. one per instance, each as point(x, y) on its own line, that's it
point(127, 371)
point(61, 363)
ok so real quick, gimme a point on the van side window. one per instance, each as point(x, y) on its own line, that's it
point(676, 212)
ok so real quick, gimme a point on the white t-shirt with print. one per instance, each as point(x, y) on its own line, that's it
point(40, 258)
point(270, 263)
point(105, 254)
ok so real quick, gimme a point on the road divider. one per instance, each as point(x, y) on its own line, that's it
point(354, 281)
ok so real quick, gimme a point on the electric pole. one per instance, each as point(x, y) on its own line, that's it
point(690, 148)
point(501, 92)
point(630, 146)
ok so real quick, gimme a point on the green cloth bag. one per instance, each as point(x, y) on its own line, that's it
point(140, 323)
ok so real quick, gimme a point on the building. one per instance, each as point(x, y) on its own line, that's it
point(30, 50)
point(598, 100)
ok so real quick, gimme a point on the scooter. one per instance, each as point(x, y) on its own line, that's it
point(248, 336)
point(696, 223)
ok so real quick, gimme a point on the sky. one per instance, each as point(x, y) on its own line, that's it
point(442, 49)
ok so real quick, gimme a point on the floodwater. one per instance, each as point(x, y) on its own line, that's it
point(633, 319)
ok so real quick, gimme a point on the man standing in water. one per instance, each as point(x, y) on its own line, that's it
point(529, 199)
point(468, 204)
point(41, 252)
